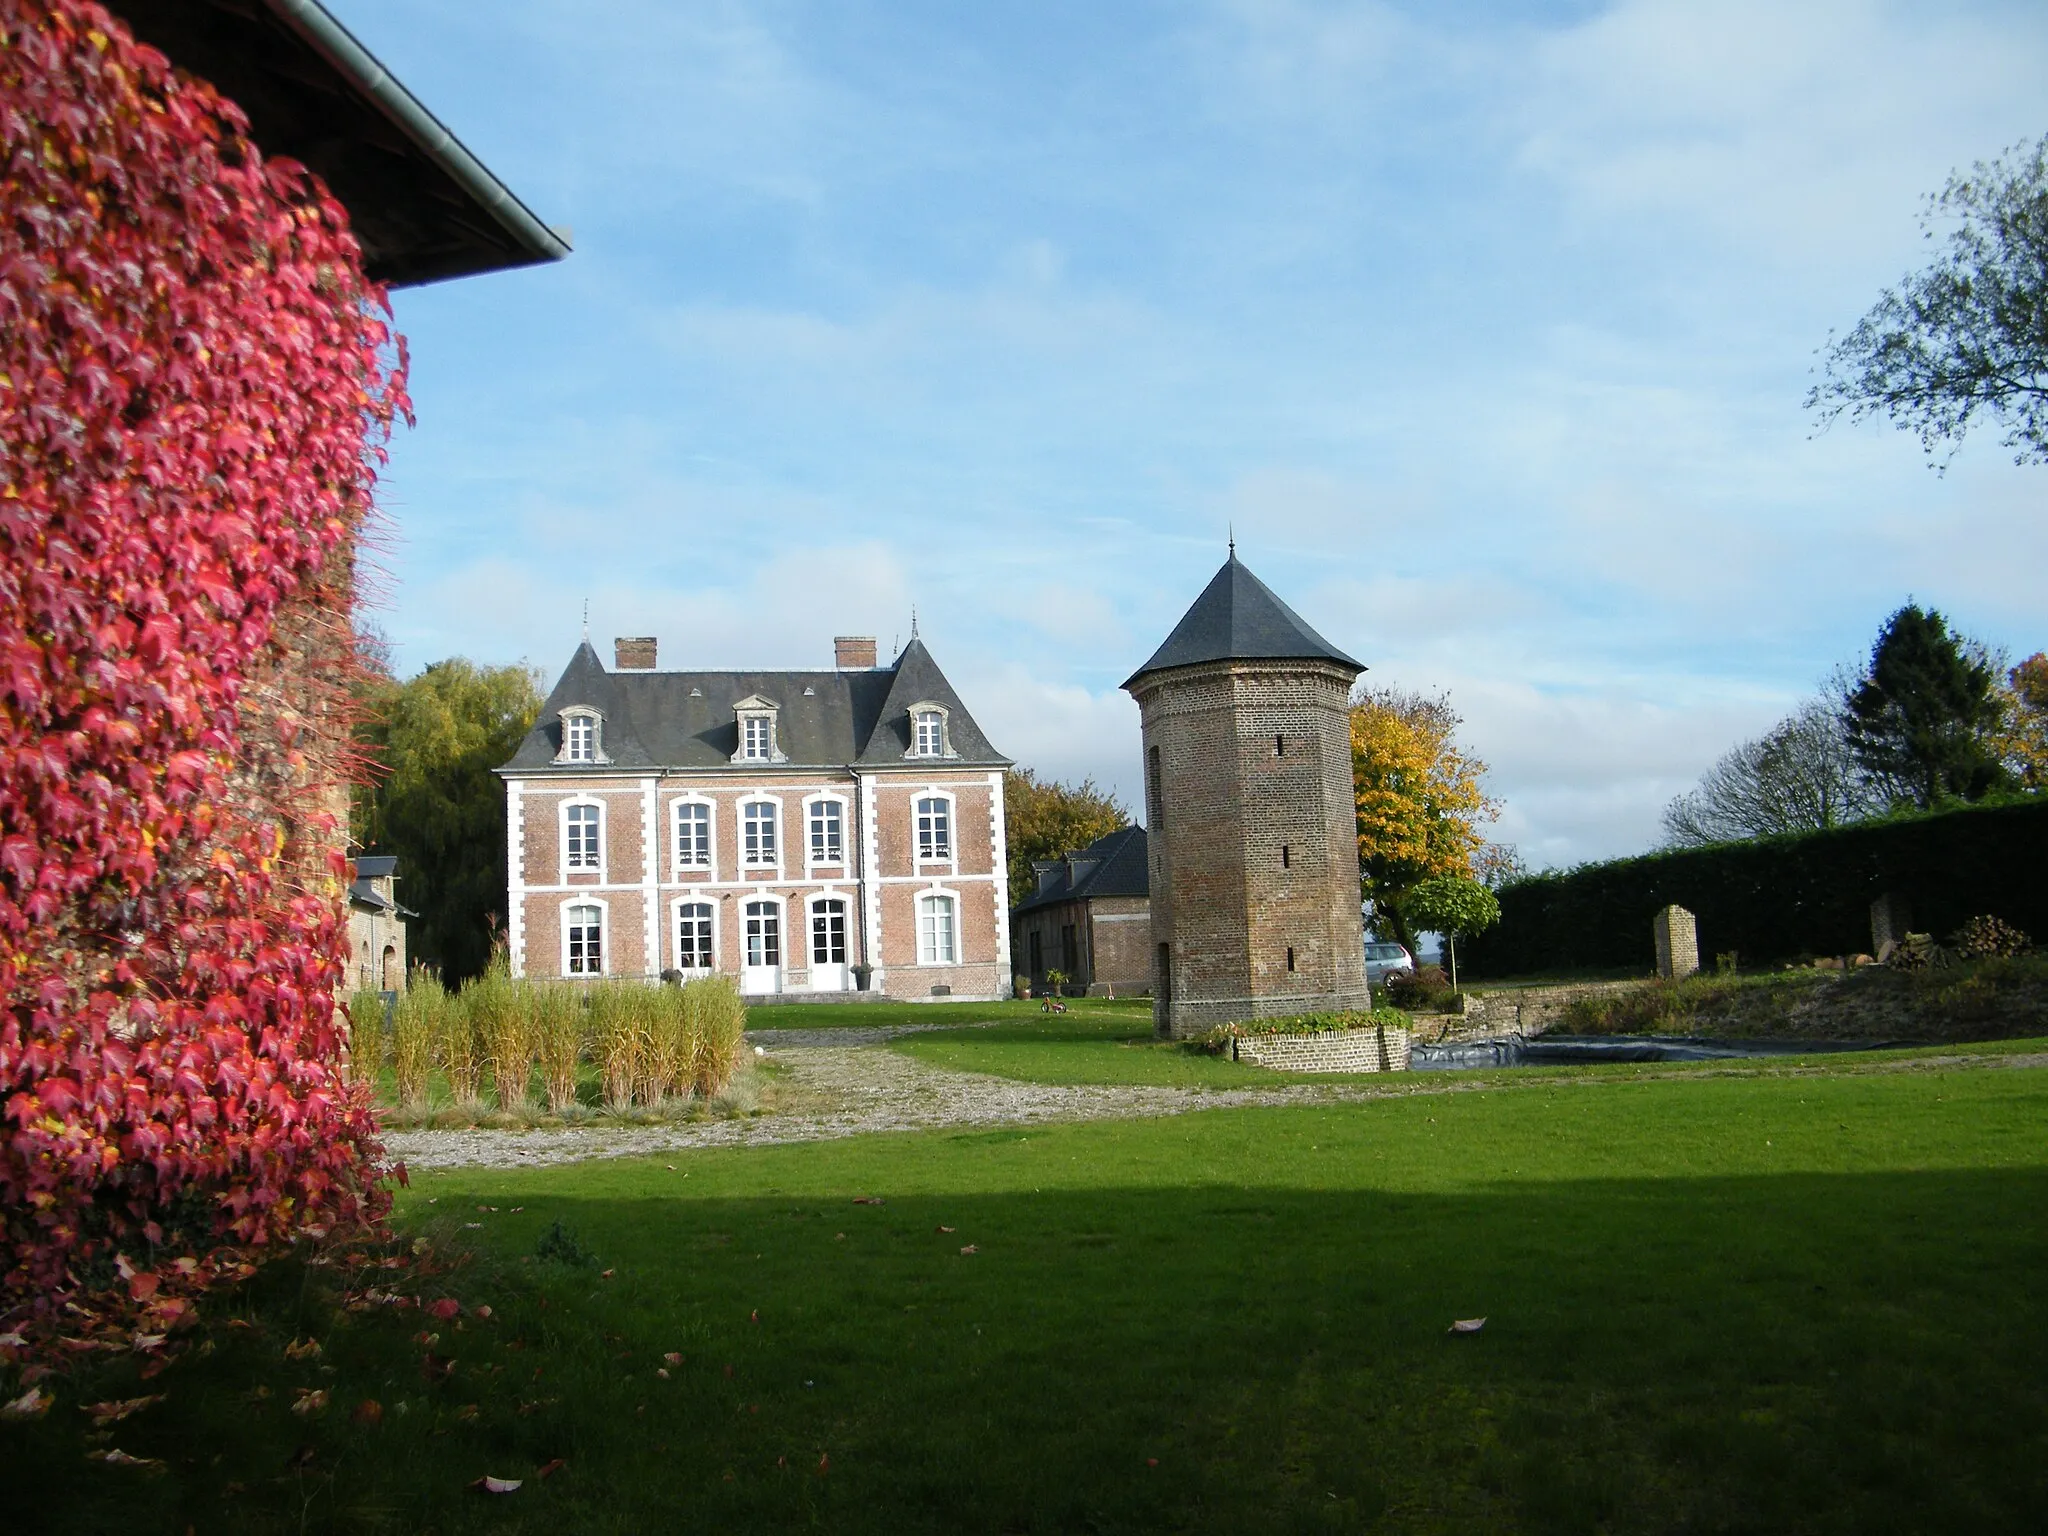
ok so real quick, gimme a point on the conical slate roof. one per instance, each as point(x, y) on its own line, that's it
point(1237, 618)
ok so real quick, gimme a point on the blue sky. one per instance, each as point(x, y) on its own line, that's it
point(1486, 326)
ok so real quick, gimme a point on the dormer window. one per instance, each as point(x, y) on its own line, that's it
point(582, 739)
point(928, 737)
point(758, 742)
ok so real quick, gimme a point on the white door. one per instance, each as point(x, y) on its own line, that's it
point(828, 945)
point(761, 951)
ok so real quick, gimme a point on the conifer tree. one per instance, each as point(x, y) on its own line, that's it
point(1924, 718)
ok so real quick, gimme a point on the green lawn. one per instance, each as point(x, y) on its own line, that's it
point(1109, 1044)
point(1136, 1013)
point(1730, 1303)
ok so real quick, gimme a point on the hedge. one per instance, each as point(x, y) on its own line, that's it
point(1779, 897)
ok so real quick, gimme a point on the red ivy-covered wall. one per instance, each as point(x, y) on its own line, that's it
point(195, 383)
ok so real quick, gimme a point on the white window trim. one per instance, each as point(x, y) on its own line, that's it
point(951, 859)
point(562, 832)
point(851, 908)
point(598, 755)
point(931, 707)
point(604, 935)
point(754, 707)
point(740, 863)
point(781, 905)
point(917, 925)
point(844, 861)
point(675, 841)
point(675, 937)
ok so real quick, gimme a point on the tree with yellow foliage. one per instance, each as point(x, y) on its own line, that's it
point(1420, 799)
point(2024, 739)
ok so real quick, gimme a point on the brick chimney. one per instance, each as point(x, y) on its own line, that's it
point(850, 653)
point(633, 653)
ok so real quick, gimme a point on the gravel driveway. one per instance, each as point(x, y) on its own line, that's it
point(852, 1084)
point(858, 1085)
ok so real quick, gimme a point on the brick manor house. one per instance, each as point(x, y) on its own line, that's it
point(809, 833)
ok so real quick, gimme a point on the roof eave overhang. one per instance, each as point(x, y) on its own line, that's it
point(424, 207)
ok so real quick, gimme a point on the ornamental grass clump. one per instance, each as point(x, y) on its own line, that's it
point(667, 1052)
point(460, 1049)
point(502, 1010)
point(615, 1040)
point(415, 1027)
point(717, 1029)
point(365, 1034)
point(558, 1031)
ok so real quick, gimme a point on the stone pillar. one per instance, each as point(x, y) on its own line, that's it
point(1890, 918)
point(1678, 942)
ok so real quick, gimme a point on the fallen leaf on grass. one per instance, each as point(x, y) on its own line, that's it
point(607, 1274)
point(945, 1229)
point(466, 1413)
point(32, 1404)
point(446, 1308)
point(1151, 1461)
point(303, 1349)
point(147, 1341)
point(114, 1456)
point(437, 1367)
point(369, 1413)
point(497, 1485)
point(549, 1469)
point(728, 1373)
point(112, 1412)
point(1468, 1325)
point(484, 1313)
point(673, 1357)
point(311, 1400)
point(661, 1371)
point(869, 1200)
point(754, 1316)
point(824, 1464)
point(970, 1248)
point(12, 1340)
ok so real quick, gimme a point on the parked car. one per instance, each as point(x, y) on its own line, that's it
point(1382, 958)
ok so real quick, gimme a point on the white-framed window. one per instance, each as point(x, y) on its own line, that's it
point(696, 938)
point(827, 832)
point(928, 737)
point(764, 933)
point(693, 834)
point(828, 931)
point(582, 740)
point(938, 935)
point(757, 738)
point(934, 817)
point(758, 845)
point(582, 836)
point(583, 939)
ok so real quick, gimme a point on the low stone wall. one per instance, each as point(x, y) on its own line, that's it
point(1523, 1011)
point(1378, 1049)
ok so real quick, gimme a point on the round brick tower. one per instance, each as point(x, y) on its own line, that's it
point(1250, 815)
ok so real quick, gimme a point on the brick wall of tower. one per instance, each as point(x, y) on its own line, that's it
point(1254, 849)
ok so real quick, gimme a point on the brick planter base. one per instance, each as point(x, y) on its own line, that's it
point(1352, 1050)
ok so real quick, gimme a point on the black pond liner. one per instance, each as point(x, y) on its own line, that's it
point(1577, 1050)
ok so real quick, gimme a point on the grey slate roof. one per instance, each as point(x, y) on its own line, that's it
point(1114, 865)
point(1238, 618)
point(686, 719)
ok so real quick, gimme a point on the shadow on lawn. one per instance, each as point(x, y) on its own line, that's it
point(1853, 1352)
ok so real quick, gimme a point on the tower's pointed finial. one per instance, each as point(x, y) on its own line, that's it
point(913, 621)
point(1233, 539)
point(586, 618)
